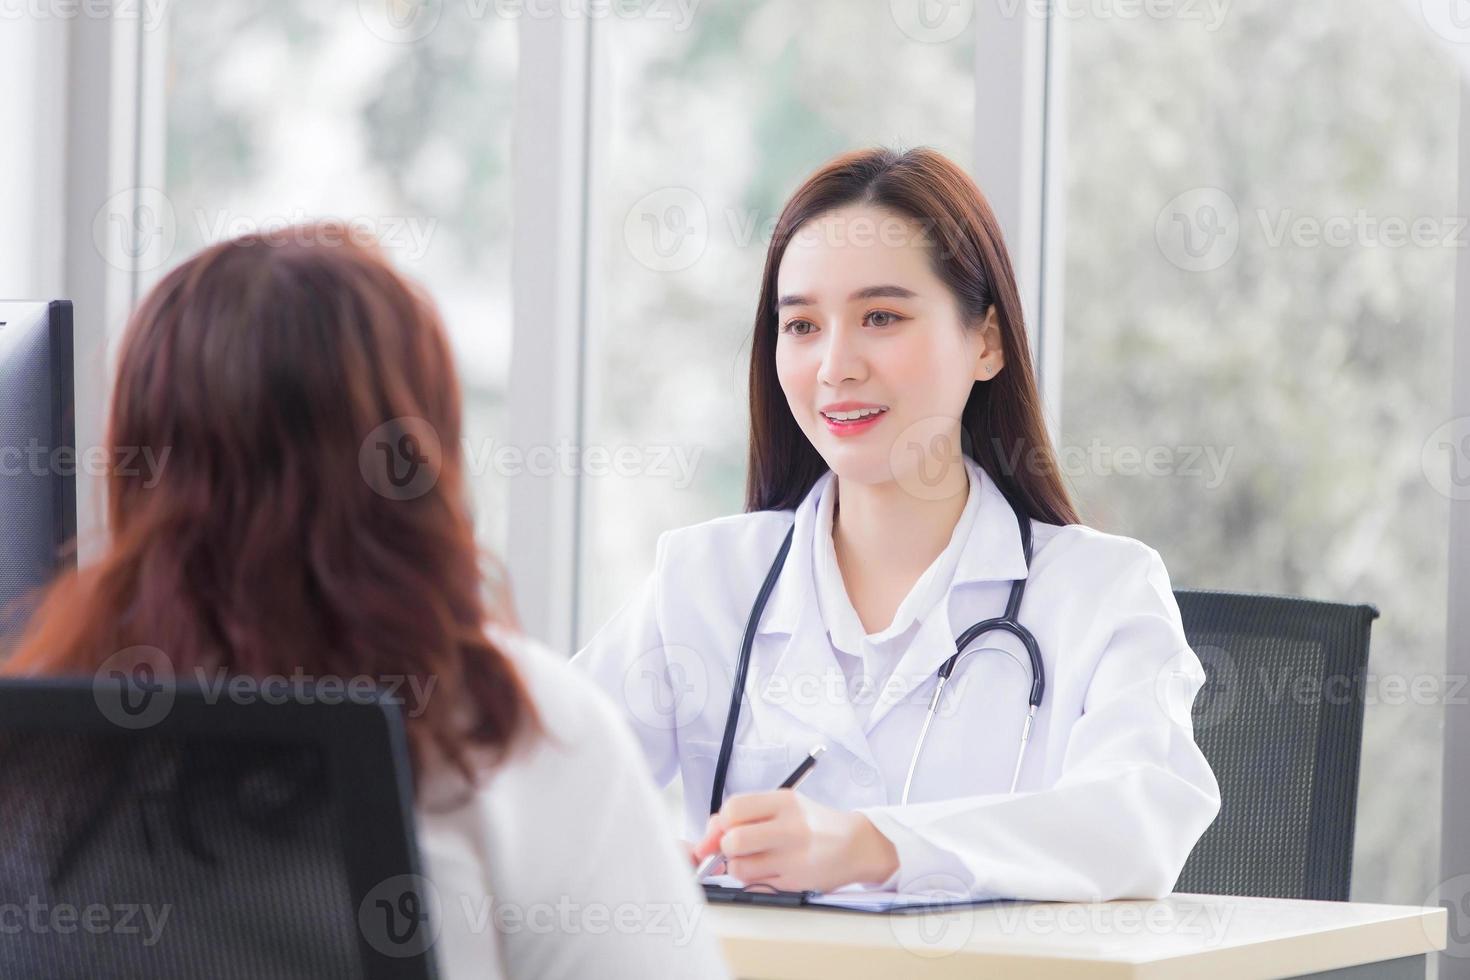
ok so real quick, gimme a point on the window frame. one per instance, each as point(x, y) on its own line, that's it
point(1454, 848)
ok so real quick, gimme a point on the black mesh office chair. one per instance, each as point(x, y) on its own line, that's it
point(154, 834)
point(1280, 720)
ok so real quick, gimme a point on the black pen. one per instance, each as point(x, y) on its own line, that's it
point(790, 782)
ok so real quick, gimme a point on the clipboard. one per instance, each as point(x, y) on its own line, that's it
point(869, 903)
point(745, 896)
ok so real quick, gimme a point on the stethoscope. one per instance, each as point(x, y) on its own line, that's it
point(1006, 623)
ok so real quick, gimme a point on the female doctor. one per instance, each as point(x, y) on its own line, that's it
point(1003, 693)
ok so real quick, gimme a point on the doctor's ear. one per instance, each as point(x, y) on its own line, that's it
point(991, 354)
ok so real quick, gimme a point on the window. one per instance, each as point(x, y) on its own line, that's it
point(1259, 298)
point(709, 127)
point(279, 112)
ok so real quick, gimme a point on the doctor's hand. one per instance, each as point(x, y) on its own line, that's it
point(692, 849)
point(782, 839)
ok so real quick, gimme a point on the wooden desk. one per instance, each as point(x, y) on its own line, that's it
point(1201, 937)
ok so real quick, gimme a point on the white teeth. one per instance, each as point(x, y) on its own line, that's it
point(860, 413)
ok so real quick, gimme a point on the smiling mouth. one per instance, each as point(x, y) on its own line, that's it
point(856, 415)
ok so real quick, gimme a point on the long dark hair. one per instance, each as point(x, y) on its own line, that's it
point(1002, 425)
point(267, 370)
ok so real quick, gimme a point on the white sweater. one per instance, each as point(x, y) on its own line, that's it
point(563, 863)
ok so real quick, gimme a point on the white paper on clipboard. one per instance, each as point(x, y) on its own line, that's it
point(859, 899)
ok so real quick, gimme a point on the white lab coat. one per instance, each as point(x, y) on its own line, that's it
point(1113, 793)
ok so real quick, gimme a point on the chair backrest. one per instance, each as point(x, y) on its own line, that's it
point(1280, 720)
point(148, 830)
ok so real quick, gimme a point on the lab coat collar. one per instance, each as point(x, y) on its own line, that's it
point(993, 552)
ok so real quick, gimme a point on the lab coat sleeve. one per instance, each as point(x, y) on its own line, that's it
point(1133, 796)
point(628, 659)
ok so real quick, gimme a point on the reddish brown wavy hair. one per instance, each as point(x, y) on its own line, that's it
point(271, 369)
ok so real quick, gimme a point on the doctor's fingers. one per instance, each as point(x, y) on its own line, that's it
point(762, 869)
point(743, 808)
point(759, 838)
point(710, 842)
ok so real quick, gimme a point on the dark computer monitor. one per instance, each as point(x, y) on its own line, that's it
point(38, 464)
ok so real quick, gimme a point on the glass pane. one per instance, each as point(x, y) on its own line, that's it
point(709, 126)
point(281, 111)
point(1259, 289)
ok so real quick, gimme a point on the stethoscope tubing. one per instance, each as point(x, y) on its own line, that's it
point(1006, 623)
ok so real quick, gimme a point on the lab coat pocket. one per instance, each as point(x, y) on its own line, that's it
point(753, 767)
